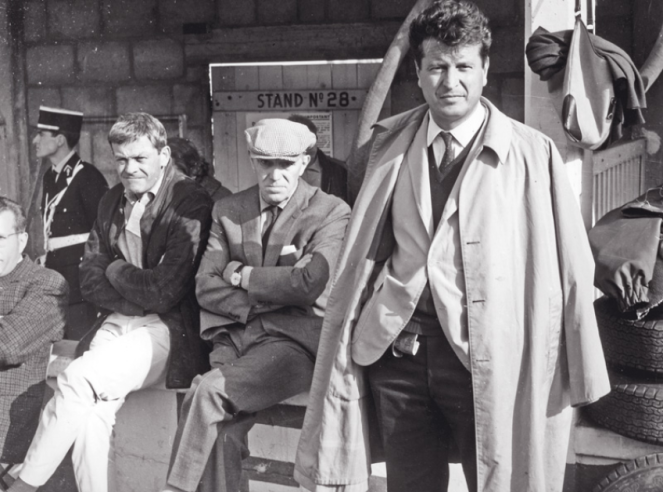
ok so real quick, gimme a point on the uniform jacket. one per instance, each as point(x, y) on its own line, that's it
point(333, 175)
point(289, 301)
point(32, 316)
point(75, 214)
point(174, 231)
point(534, 345)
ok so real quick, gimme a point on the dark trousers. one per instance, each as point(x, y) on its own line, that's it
point(218, 410)
point(425, 407)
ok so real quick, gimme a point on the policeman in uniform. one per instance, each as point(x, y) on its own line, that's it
point(70, 196)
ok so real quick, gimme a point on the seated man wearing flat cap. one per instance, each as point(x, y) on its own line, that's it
point(262, 286)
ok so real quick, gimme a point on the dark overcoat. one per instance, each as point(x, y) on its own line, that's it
point(174, 231)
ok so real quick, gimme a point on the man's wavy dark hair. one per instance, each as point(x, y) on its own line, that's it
point(455, 23)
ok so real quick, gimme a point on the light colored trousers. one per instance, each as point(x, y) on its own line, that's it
point(127, 353)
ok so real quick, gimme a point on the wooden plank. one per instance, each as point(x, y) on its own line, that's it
point(293, 42)
point(270, 471)
point(290, 416)
point(273, 442)
point(318, 76)
point(246, 78)
point(294, 77)
point(605, 159)
point(270, 77)
point(245, 172)
point(296, 99)
point(225, 149)
point(345, 129)
point(366, 73)
point(344, 76)
point(223, 78)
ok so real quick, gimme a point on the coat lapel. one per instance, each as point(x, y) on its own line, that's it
point(250, 219)
point(154, 208)
point(282, 230)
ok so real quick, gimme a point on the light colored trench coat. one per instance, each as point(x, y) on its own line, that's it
point(534, 344)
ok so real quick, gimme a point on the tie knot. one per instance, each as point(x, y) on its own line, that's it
point(446, 137)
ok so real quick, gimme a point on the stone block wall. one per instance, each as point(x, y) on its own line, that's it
point(107, 57)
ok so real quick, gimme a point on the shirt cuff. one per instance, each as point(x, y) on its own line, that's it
point(246, 274)
point(230, 269)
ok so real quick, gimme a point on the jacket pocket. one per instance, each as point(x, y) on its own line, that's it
point(368, 307)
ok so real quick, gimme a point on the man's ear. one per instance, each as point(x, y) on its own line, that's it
point(306, 159)
point(164, 156)
point(62, 140)
point(22, 241)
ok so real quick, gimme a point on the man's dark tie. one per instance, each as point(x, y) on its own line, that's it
point(447, 158)
point(271, 213)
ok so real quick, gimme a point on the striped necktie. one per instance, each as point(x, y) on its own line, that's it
point(440, 171)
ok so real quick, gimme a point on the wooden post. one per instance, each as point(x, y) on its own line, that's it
point(14, 169)
point(542, 109)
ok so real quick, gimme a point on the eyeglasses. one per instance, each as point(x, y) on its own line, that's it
point(5, 239)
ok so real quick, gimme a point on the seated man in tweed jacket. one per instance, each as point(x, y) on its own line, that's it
point(262, 287)
point(33, 301)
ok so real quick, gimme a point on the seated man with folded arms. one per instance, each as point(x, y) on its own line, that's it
point(262, 287)
point(139, 268)
point(33, 302)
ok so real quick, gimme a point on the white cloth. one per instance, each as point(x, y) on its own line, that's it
point(127, 353)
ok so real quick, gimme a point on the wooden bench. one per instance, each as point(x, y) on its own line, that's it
point(145, 428)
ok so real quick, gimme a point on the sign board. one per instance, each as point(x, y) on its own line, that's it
point(297, 100)
point(321, 119)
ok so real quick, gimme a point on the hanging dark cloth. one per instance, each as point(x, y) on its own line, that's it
point(547, 54)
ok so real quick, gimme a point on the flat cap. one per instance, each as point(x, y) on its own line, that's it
point(276, 138)
point(57, 119)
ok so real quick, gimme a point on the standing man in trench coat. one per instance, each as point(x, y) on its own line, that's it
point(462, 301)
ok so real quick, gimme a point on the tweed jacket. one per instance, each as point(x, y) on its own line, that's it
point(289, 301)
point(74, 214)
point(32, 316)
point(174, 231)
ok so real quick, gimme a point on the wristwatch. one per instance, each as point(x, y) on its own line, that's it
point(236, 277)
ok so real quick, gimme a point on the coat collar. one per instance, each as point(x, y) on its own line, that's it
point(250, 223)
point(497, 135)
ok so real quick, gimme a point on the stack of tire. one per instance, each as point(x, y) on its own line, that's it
point(634, 353)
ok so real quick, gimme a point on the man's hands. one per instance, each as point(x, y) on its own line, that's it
point(245, 272)
point(303, 261)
